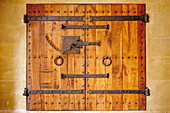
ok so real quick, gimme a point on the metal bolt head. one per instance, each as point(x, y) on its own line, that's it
point(109, 102)
point(135, 102)
point(71, 102)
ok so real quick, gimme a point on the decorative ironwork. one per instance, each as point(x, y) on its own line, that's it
point(85, 76)
point(145, 92)
point(28, 92)
point(84, 26)
point(52, 18)
point(144, 18)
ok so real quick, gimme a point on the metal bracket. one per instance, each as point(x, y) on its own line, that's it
point(52, 92)
point(85, 76)
point(52, 18)
point(144, 18)
point(84, 26)
point(145, 92)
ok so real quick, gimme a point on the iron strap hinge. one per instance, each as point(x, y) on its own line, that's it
point(84, 26)
point(144, 18)
point(145, 91)
point(85, 76)
point(27, 92)
point(52, 18)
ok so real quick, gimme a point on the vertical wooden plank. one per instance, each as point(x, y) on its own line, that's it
point(46, 74)
point(56, 30)
point(130, 62)
point(108, 81)
point(90, 59)
point(141, 58)
point(30, 9)
point(71, 59)
point(64, 68)
point(100, 53)
point(79, 61)
point(115, 69)
point(35, 61)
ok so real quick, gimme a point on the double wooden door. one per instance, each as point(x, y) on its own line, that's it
point(86, 57)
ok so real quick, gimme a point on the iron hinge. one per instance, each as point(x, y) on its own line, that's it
point(145, 92)
point(52, 18)
point(144, 18)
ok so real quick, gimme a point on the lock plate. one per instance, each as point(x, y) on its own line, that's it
point(72, 44)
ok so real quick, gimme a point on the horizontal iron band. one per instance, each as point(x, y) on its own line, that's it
point(84, 26)
point(52, 18)
point(55, 91)
point(144, 18)
point(145, 91)
point(85, 76)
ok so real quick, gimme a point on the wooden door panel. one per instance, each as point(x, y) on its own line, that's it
point(124, 43)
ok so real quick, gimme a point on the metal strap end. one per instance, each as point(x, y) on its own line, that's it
point(147, 92)
point(108, 26)
point(62, 26)
point(26, 19)
point(146, 18)
point(25, 92)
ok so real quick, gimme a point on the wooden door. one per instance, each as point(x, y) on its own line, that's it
point(86, 57)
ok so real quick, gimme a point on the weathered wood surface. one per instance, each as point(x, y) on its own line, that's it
point(124, 42)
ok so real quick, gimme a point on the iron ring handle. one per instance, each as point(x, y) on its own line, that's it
point(104, 60)
point(59, 57)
